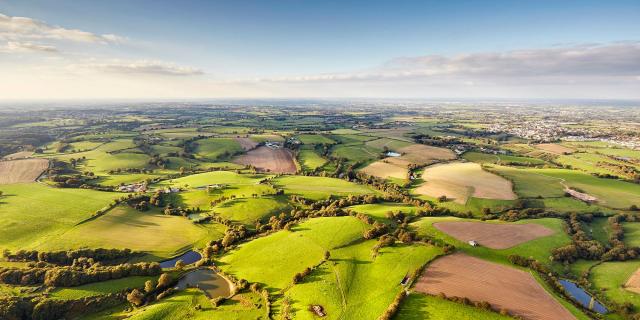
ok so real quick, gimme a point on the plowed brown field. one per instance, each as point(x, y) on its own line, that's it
point(493, 235)
point(19, 171)
point(269, 160)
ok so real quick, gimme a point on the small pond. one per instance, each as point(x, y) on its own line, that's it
point(583, 297)
point(208, 281)
point(188, 257)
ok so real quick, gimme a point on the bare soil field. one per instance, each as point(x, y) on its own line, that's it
point(269, 160)
point(461, 180)
point(633, 284)
point(554, 148)
point(25, 170)
point(422, 155)
point(515, 290)
point(246, 143)
point(493, 235)
point(18, 155)
point(383, 169)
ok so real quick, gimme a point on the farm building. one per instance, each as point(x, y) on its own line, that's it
point(473, 243)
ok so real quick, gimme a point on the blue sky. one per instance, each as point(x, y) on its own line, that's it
point(326, 48)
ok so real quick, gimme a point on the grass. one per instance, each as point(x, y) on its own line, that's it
point(315, 139)
point(355, 153)
point(214, 177)
point(250, 210)
point(609, 278)
point(213, 149)
point(100, 288)
point(34, 213)
point(418, 306)
point(599, 228)
point(310, 160)
point(391, 144)
point(274, 260)
point(529, 184)
point(539, 249)
point(500, 158)
point(117, 154)
point(317, 188)
point(355, 285)
point(378, 211)
point(124, 227)
point(631, 234)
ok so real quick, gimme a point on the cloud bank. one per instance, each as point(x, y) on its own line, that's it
point(139, 67)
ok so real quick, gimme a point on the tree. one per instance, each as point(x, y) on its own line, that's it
point(442, 199)
point(136, 297)
point(180, 265)
point(164, 281)
point(149, 286)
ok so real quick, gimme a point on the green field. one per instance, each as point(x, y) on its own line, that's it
point(379, 211)
point(609, 277)
point(356, 153)
point(124, 227)
point(500, 159)
point(274, 260)
point(315, 139)
point(214, 149)
point(631, 234)
point(391, 144)
point(419, 306)
point(355, 285)
point(100, 288)
point(320, 187)
point(32, 214)
point(310, 160)
point(249, 210)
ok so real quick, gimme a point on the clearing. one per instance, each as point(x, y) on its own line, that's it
point(269, 160)
point(493, 235)
point(503, 287)
point(20, 171)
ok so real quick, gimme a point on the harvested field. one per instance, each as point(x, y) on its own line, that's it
point(503, 287)
point(633, 284)
point(554, 148)
point(269, 160)
point(422, 155)
point(18, 171)
point(462, 180)
point(384, 169)
point(18, 155)
point(246, 143)
point(493, 235)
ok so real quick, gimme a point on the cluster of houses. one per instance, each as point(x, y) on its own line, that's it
point(134, 187)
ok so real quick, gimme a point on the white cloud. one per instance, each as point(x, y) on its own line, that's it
point(139, 67)
point(15, 46)
point(554, 64)
point(23, 28)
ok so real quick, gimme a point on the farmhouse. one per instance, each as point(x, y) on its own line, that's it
point(134, 187)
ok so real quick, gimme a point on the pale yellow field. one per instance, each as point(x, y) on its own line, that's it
point(461, 180)
point(421, 154)
point(554, 148)
point(18, 155)
point(19, 171)
point(383, 169)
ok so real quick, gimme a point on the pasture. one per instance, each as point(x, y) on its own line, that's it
point(317, 188)
point(503, 287)
point(266, 159)
point(353, 284)
point(310, 159)
point(124, 227)
point(418, 306)
point(378, 211)
point(34, 213)
point(613, 277)
point(460, 181)
point(501, 159)
point(100, 288)
point(315, 139)
point(249, 210)
point(214, 149)
point(21, 171)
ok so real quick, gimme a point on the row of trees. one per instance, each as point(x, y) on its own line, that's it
point(68, 257)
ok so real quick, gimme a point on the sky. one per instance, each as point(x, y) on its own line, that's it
point(123, 49)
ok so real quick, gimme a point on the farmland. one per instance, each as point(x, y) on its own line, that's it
point(310, 212)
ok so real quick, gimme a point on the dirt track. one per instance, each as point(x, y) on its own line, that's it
point(493, 235)
point(269, 160)
point(246, 143)
point(19, 171)
point(460, 275)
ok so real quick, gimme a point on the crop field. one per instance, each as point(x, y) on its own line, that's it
point(384, 169)
point(320, 187)
point(419, 306)
point(247, 143)
point(460, 181)
point(310, 159)
point(540, 248)
point(493, 235)
point(501, 159)
point(460, 275)
point(421, 155)
point(356, 153)
point(33, 213)
point(266, 159)
point(554, 148)
point(355, 285)
point(20, 171)
point(124, 227)
point(595, 163)
point(214, 149)
point(391, 144)
point(18, 155)
point(315, 139)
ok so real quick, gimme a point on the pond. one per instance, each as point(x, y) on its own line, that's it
point(208, 281)
point(583, 297)
point(188, 257)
